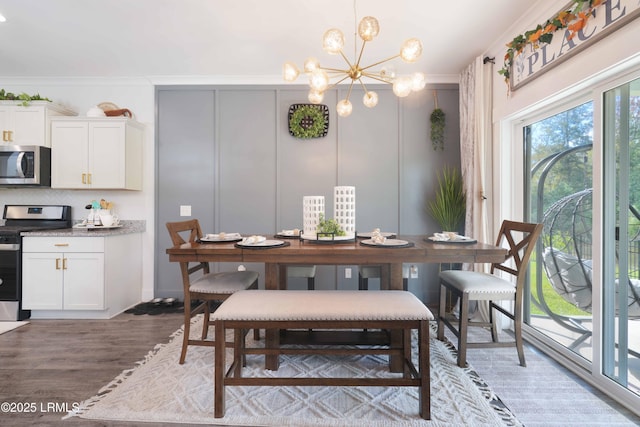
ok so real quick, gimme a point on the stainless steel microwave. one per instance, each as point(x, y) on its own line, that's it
point(25, 165)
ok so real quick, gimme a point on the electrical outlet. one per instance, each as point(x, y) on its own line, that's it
point(413, 272)
point(347, 273)
point(185, 210)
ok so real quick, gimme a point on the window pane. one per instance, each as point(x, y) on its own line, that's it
point(558, 155)
point(621, 281)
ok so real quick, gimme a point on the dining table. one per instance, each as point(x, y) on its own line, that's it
point(296, 251)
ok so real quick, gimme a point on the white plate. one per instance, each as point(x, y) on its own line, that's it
point(459, 239)
point(388, 242)
point(229, 237)
point(326, 238)
point(382, 233)
point(288, 233)
point(96, 227)
point(264, 243)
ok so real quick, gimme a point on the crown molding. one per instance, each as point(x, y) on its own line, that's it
point(176, 80)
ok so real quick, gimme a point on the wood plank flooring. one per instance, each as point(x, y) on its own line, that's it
point(65, 361)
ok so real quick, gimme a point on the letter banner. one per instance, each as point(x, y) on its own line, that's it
point(533, 61)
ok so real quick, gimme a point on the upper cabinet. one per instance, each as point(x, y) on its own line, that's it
point(96, 153)
point(29, 125)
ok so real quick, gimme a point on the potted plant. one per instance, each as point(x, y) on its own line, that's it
point(449, 206)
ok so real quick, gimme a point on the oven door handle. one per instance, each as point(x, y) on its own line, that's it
point(19, 169)
point(9, 246)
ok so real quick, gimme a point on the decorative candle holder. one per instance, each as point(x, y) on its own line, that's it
point(344, 208)
point(312, 208)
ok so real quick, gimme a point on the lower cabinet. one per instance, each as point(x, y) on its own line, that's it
point(80, 277)
point(63, 281)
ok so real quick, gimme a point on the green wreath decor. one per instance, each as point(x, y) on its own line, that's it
point(308, 121)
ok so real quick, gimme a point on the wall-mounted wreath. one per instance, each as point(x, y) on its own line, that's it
point(308, 120)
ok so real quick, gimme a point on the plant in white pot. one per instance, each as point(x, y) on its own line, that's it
point(449, 206)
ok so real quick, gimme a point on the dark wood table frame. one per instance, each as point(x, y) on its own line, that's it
point(411, 377)
point(352, 253)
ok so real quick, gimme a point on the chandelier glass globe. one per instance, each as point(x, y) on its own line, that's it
point(333, 41)
point(344, 108)
point(368, 28)
point(370, 99)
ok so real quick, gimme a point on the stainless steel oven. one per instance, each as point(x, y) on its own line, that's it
point(18, 219)
point(10, 268)
point(25, 165)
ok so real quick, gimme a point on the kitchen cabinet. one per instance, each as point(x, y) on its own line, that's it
point(80, 277)
point(29, 125)
point(96, 153)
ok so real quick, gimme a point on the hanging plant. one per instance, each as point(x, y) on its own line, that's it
point(437, 126)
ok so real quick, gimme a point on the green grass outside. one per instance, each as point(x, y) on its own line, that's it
point(555, 302)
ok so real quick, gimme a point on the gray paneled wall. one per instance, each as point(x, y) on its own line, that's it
point(226, 152)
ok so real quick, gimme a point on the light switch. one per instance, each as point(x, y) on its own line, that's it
point(185, 210)
point(413, 272)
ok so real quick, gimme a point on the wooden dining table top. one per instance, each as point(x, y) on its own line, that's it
point(298, 251)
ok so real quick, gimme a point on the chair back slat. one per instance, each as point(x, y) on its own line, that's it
point(520, 239)
point(192, 226)
point(192, 229)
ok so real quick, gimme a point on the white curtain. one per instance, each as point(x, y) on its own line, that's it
point(475, 146)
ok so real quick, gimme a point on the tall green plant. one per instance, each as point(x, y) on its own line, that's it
point(449, 206)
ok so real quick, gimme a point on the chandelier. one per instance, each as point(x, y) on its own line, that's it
point(333, 43)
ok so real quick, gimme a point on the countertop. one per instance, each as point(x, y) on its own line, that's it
point(128, 227)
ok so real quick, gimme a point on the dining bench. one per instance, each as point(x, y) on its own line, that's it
point(328, 311)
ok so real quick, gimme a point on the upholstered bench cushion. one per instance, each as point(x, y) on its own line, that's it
point(224, 283)
point(479, 286)
point(288, 305)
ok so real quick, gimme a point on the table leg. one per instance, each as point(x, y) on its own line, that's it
point(394, 282)
point(385, 277)
point(282, 281)
point(219, 371)
point(272, 282)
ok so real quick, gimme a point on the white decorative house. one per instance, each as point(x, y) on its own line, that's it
point(312, 208)
point(344, 208)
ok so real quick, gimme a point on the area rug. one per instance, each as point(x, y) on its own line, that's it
point(161, 390)
point(10, 326)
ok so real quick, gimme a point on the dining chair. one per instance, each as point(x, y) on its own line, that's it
point(304, 271)
point(366, 272)
point(204, 287)
point(520, 239)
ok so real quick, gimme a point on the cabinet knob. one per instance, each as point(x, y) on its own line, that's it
point(84, 178)
point(57, 263)
point(61, 244)
point(10, 133)
point(64, 263)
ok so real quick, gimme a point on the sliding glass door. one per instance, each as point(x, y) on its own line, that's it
point(558, 153)
point(584, 288)
point(621, 235)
